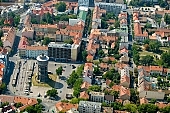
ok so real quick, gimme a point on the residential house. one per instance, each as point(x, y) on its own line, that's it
point(124, 58)
point(88, 73)
point(84, 95)
point(125, 77)
point(143, 101)
point(103, 66)
point(154, 70)
point(123, 19)
point(18, 99)
point(27, 21)
point(123, 51)
point(124, 93)
point(34, 51)
point(108, 99)
point(96, 18)
point(107, 110)
point(85, 86)
point(96, 96)
point(64, 107)
point(89, 107)
point(8, 39)
point(28, 32)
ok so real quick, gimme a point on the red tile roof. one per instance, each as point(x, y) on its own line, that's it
point(23, 43)
point(61, 106)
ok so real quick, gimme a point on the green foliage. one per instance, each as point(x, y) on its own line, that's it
point(167, 18)
point(68, 41)
point(131, 108)
point(135, 53)
point(1, 33)
point(134, 96)
point(77, 87)
point(96, 70)
point(46, 41)
point(147, 108)
point(165, 109)
point(52, 93)
point(76, 100)
point(39, 101)
point(111, 28)
point(104, 24)
point(153, 101)
point(165, 57)
point(4, 104)
point(17, 105)
point(112, 75)
point(59, 70)
point(65, 101)
point(154, 46)
point(117, 24)
point(114, 52)
point(34, 109)
point(47, 19)
point(112, 92)
point(147, 60)
point(2, 87)
point(61, 6)
point(1, 43)
point(109, 15)
point(95, 88)
point(16, 20)
point(117, 106)
point(88, 23)
point(148, 25)
point(104, 104)
point(72, 79)
point(84, 55)
point(101, 53)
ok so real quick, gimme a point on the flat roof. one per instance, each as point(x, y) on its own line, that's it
point(42, 58)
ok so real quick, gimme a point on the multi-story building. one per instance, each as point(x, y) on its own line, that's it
point(28, 32)
point(89, 107)
point(88, 73)
point(22, 46)
point(111, 7)
point(44, 28)
point(8, 39)
point(63, 52)
point(97, 96)
point(34, 51)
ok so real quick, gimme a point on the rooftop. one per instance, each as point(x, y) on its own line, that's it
point(61, 106)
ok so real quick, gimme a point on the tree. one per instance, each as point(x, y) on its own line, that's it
point(165, 109)
point(4, 104)
point(2, 87)
point(95, 88)
point(147, 108)
point(52, 93)
point(117, 24)
point(17, 105)
point(61, 6)
point(1, 33)
point(117, 106)
point(46, 41)
point(112, 75)
point(147, 60)
point(77, 87)
point(165, 57)
point(72, 79)
point(104, 24)
point(16, 20)
point(154, 46)
point(153, 101)
point(131, 108)
point(68, 41)
point(34, 109)
point(148, 25)
point(101, 53)
point(59, 70)
point(146, 46)
point(134, 96)
point(1, 43)
point(39, 101)
point(96, 70)
point(84, 55)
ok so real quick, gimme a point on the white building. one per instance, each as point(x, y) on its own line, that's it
point(89, 107)
point(34, 51)
point(96, 96)
point(111, 7)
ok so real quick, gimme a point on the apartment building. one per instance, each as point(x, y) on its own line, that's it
point(124, 93)
point(96, 96)
point(89, 107)
point(111, 7)
point(8, 39)
point(45, 28)
point(125, 77)
point(63, 52)
point(64, 107)
point(108, 99)
point(28, 32)
point(34, 51)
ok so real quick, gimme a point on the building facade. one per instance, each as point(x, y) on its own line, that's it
point(63, 52)
point(96, 96)
point(89, 107)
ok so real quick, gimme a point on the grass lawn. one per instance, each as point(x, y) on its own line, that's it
point(144, 53)
point(50, 83)
point(164, 49)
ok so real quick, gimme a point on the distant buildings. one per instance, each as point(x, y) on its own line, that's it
point(89, 107)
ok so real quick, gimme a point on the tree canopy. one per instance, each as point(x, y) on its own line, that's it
point(147, 60)
point(46, 41)
point(59, 70)
point(68, 41)
point(61, 6)
point(147, 108)
point(52, 93)
point(112, 75)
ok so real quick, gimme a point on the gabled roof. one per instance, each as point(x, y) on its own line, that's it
point(84, 95)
